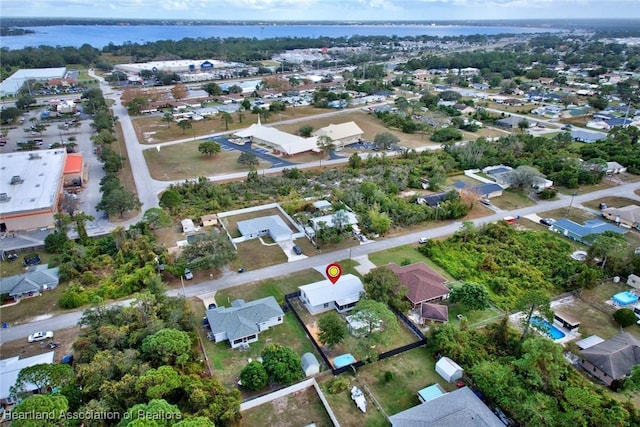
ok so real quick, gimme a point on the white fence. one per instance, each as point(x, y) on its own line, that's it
point(303, 385)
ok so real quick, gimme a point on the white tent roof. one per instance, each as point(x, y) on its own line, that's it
point(282, 141)
point(448, 366)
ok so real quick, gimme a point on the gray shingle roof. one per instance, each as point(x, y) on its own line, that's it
point(33, 281)
point(615, 356)
point(456, 409)
point(242, 320)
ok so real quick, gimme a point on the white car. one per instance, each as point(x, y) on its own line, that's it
point(423, 240)
point(39, 336)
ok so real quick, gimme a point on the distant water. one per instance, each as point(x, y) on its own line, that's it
point(100, 36)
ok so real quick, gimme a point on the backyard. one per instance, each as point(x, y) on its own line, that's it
point(296, 409)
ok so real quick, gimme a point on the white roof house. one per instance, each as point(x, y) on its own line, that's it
point(188, 226)
point(11, 367)
point(272, 225)
point(282, 142)
point(350, 218)
point(30, 187)
point(324, 296)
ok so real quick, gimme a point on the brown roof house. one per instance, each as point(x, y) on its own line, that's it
point(612, 359)
point(424, 288)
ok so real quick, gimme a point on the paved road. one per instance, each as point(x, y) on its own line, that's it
point(235, 279)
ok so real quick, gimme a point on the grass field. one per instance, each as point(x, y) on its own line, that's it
point(297, 409)
point(184, 161)
point(253, 255)
point(611, 202)
point(512, 199)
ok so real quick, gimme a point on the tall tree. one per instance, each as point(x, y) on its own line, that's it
point(179, 91)
point(185, 125)
point(254, 376)
point(209, 148)
point(167, 346)
point(167, 117)
point(606, 245)
point(282, 364)
point(532, 301)
point(473, 296)
point(383, 285)
point(332, 329)
point(226, 118)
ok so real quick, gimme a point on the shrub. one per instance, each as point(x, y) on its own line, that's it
point(625, 317)
point(547, 194)
point(388, 376)
point(338, 385)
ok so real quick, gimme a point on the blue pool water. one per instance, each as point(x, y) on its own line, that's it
point(343, 360)
point(547, 328)
point(625, 298)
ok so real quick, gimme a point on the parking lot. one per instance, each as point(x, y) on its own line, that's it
point(261, 152)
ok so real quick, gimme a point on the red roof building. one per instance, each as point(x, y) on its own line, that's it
point(423, 284)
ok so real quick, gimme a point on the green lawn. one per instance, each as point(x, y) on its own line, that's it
point(473, 317)
point(406, 253)
point(512, 199)
point(253, 255)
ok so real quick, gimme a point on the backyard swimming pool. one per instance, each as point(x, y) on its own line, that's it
point(343, 360)
point(625, 298)
point(547, 328)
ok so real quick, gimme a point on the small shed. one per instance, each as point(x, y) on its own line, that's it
point(589, 342)
point(188, 226)
point(310, 364)
point(209, 220)
point(633, 281)
point(448, 369)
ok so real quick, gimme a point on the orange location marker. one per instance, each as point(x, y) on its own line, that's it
point(334, 271)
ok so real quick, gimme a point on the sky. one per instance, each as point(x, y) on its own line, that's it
point(314, 10)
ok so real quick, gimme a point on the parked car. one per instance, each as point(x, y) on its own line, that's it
point(603, 206)
point(68, 359)
point(32, 259)
point(485, 202)
point(423, 240)
point(547, 221)
point(297, 250)
point(40, 336)
point(188, 274)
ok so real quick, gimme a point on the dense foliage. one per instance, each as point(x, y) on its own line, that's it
point(138, 357)
point(509, 262)
point(531, 381)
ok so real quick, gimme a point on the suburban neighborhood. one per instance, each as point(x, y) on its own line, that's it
point(372, 232)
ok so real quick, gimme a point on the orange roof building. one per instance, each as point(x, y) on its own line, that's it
point(73, 169)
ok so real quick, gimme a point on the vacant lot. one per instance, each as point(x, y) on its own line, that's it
point(254, 254)
point(512, 199)
point(298, 409)
point(22, 348)
point(184, 161)
point(612, 202)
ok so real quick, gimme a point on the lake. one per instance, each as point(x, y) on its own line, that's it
point(100, 36)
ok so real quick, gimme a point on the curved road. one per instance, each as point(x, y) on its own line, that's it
point(71, 319)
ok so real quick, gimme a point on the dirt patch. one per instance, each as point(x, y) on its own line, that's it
point(64, 338)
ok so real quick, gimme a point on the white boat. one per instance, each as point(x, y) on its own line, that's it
point(358, 398)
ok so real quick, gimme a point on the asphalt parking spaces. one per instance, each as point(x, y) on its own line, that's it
point(261, 152)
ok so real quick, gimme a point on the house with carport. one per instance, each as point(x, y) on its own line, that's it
point(627, 215)
point(241, 323)
point(580, 232)
point(323, 295)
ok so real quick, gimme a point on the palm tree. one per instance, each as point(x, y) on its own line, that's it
point(167, 117)
point(326, 145)
point(184, 125)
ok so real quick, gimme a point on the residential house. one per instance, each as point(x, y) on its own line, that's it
point(9, 370)
point(628, 215)
point(424, 285)
point(343, 216)
point(32, 283)
point(464, 109)
point(431, 199)
point(586, 136)
point(241, 323)
point(482, 191)
point(579, 232)
point(513, 122)
point(188, 226)
point(323, 295)
point(458, 408)
point(612, 359)
point(272, 226)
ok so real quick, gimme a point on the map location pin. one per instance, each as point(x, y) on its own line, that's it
point(334, 271)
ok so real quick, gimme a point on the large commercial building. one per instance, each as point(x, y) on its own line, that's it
point(11, 85)
point(30, 187)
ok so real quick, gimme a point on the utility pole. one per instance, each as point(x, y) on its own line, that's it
point(575, 193)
